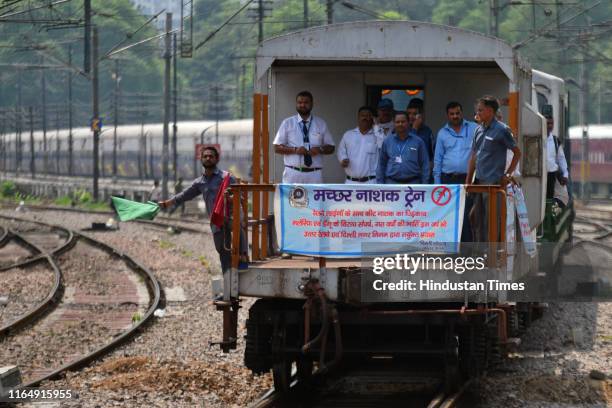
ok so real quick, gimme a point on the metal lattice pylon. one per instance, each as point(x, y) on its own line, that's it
point(186, 28)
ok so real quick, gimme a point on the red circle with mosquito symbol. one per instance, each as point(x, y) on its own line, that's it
point(441, 195)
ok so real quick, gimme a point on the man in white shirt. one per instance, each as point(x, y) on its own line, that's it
point(302, 139)
point(385, 110)
point(555, 160)
point(358, 149)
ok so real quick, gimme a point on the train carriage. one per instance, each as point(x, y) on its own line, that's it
point(346, 66)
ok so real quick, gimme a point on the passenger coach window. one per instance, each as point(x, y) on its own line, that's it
point(400, 95)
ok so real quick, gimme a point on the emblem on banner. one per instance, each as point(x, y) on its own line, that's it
point(298, 197)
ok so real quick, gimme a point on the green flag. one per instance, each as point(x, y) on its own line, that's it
point(132, 210)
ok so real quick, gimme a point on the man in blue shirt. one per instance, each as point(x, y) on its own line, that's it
point(207, 186)
point(415, 121)
point(452, 154)
point(453, 147)
point(403, 156)
point(488, 159)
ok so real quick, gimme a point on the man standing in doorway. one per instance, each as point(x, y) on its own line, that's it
point(385, 111)
point(303, 139)
point(358, 149)
point(488, 161)
point(452, 154)
point(555, 159)
point(403, 156)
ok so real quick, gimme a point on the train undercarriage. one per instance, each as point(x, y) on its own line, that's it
point(318, 336)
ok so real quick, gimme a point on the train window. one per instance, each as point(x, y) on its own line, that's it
point(401, 95)
point(542, 101)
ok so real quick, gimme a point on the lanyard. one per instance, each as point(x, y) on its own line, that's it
point(402, 149)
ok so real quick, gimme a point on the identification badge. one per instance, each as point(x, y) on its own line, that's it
point(398, 159)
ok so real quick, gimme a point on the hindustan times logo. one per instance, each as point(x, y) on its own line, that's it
point(412, 264)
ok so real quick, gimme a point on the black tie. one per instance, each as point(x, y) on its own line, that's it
point(307, 157)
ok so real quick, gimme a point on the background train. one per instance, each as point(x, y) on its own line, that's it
point(139, 149)
point(597, 168)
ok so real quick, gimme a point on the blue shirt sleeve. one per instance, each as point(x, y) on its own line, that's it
point(438, 157)
point(507, 139)
point(189, 193)
point(381, 169)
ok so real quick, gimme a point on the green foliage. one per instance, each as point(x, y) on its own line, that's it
point(64, 201)
point(163, 244)
point(7, 189)
point(228, 57)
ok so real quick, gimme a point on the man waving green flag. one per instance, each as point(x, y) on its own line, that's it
point(131, 210)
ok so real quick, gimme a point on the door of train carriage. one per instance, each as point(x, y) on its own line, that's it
point(339, 91)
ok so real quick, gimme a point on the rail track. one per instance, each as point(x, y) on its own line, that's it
point(368, 387)
point(45, 251)
point(41, 253)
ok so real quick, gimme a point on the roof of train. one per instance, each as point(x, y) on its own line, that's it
point(380, 41)
point(594, 131)
point(185, 129)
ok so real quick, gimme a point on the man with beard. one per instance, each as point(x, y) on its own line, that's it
point(302, 139)
point(403, 156)
point(452, 154)
point(208, 186)
point(358, 149)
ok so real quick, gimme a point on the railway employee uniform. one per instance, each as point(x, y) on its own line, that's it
point(452, 154)
point(492, 140)
point(403, 156)
point(302, 139)
point(358, 150)
point(295, 132)
point(555, 161)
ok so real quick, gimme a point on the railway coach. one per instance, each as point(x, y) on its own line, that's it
point(313, 313)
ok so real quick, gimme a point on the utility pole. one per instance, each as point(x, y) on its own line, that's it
point(43, 85)
point(57, 141)
point(305, 13)
point(583, 110)
point(329, 8)
point(96, 113)
point(167, 57)
point(87, 36)
point(32, 156)
point(533, 16)
point(115, 118)
point(19, 125)
point(174, 110)
point(70, 141)
point(494, 18)
point(243, 92)
point(260, 17)
point(215, 90)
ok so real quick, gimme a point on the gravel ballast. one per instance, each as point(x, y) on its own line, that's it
point(170, 364)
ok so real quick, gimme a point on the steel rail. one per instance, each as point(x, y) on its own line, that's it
point(39, 253)
point(155, 295)
point(54, 295)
